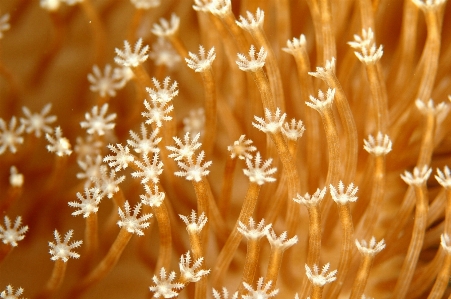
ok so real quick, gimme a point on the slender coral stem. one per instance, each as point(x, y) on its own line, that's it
point(368, 251)
point(55, 281)
point(164, 229)
point(418, 180)
point(443, 277)
point(327, 74)
point(105, 266)
point(228, 251)
point(312, 202)
point(98, 30)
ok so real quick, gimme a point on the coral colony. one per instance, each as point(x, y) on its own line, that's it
point(225, 149)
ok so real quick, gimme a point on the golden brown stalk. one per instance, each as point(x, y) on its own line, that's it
point(444, 179)
point(105, 266)
point(293, 179)
point(202, 65)
point(399, 75)
point(324, 106)
point(194, 227)
point(12, 100)
point(227, 187)
point(53, 184)
point(130, 224)
point(343, 198)
point(378, 147)
point(433, 13)
point(61, 251)
point(254, 25)
point(142, 77)
point(366, 13)
point(312, 202)
point(165, 236)
point(154, 199)
point(418, 181)
point(210, 110)
point(253, 235)
point(134, 24)
point(346, 249)
point(428, 64)
point(368, 251)
point(98, 31)
point(55, 281)
point(424, 277)
point(14, 191)
point(250, 264)
point(298, 48)
point(178, 45)
point(443, 276)
point(272, 126)
point(91, 237)
point(264, 88)
point(228, 251)
point(430, 113)
point(327, 74)
point(239, 80)
point(278, 246)
point(368, 53)
point(324, 35)
point(207, 204)
point(225, 14)
point(203, 199)
point(327, 32)
point(45, 61)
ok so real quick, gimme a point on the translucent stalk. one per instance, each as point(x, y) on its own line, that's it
point(378, 96)
point(198, 252)
point(275, 79)
point(91, 240)
point(366, 13)
point(431, 53)
point(105, 266)
point(427, 141)
point(250, 264)
point(227, 187)
point(442, 281)
point(229, 249)
point(165, 236)
point(347, 119)
point(314, 244)
point(293, 179)
point(419, 227)
point(134, 24)
point(362, 277)
point(367, 225)
point(178, 45)
point(275, 262)
point(317, 292)
point(312, 135)
point(98, 31)
point(329, 49)
point(347, 227)
point(45, 61)
point(55, 281)
point(265, 89)
point(210, 109)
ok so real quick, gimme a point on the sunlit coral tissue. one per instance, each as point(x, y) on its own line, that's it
point(225, 149)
